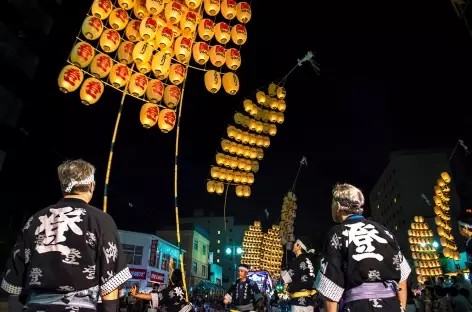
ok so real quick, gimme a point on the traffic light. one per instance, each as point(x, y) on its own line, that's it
point(228, 251)
point(239, 250)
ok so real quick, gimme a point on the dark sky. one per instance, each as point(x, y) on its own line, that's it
point(394, 75)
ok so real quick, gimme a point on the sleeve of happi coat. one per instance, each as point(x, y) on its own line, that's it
point(157, 299)
point(405, 269)
point(330, 280)
point(112, 269)
point(256, 291)
point(308, 276)
point(17, 264)
point(231, 292)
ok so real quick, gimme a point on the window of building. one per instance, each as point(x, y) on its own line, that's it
point(219, 232)
point(217, 260)
point(204, 249)
point(217, 251)
point(133, 254)
point(195, 245)
point(218, 241)
point(194, 267)
point(204, 269)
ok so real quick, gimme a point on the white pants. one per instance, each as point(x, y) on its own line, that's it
point(302, 309)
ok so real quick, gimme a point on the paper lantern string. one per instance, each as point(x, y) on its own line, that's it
point(73, 183)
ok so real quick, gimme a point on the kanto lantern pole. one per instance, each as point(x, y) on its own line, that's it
point(113, 139)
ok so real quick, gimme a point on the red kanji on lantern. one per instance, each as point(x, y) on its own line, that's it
point(245, 7)
point(128, 47)
point(96, 23)
point(219, 50)
point(208, 24)
point(152, 113)
point(85, 51)
point(93, 88)
point(174, 92)
point(105, 5)
point(136, 25)
point(186, 43)
point(231, 3)
point(122, 15)
point(113, 36)
point(169, 118)
point(72, 75)
point(158, 87)
point(122, 72)
point(203, 47)
point(234, 53)
point(151, 24)
point(141, 81)
point(179, 70)
point(240, 29)
point(191, 17)
point(224, 27)
point(104, 62)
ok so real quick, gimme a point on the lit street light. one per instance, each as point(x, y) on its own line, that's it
point(239, 250)
point(435, 244)
point(228, 251)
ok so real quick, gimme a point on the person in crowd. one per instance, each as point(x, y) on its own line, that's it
point(300, 277)
point(410, 302)
point(362, 262)
point(462, 282)
point(244, 293)
point(442, 302)
point(68, 254)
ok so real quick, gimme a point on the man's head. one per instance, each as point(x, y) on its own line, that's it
point(347, 200)
point(243, 271)
point(77, 179)
point(302, 245)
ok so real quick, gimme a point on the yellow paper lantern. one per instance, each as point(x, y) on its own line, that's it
point(222, 32)
point(239, 34)
point(101, 65)
point(243, 12)
point(183, 48)
point(212, 81)
point(164, 37)
point(176, 30)
point(281, 106)
point(142, 52)
point(193, 4)
point(250, 178)
point(246, 191)
point(160, 64)
point(140, 10)
point(132, 31)
point(125, 52)
point(173, 12)
point(148, 28)
point(206, 29)
point(154, 91)
point(217, 55)
point(273, 104)
point(248, 105)
point(70, 78)
point(272, 89)
point(255, 166)
point(188, 23)
point(155, 6)
point(261, 97)
point(92, 28)
point(166, 121)
point(228, 9)
point(101, 8)
point(110, 40)
point(118, 19)
point(211, 187)
point(212, 7)
point(119, 75)
point(138, 84)
point(266, 142)
point(176, 73)
point(82, 54)
point(126, 4)
point(233, 58)
point(239, 191)
point(91, 91)
point(201, 52)
point(144, 67)
point(281, 93)
point(220, 188)
point(149, 115)
point(445, 176)
point(231, 83)
point(171, 96)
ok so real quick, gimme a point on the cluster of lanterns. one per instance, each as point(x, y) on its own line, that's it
point(289, 212)
point(423, 252)
point(144, 47)
point(443, 219)
point(263, 251)
point(247, 138)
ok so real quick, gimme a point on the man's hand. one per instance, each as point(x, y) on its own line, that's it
point(226, 301)
point(133, 291)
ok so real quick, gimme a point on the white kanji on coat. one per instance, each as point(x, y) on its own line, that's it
point(111, 252)
point(335, 241)
point(373, 275)
point(71, 258)
point(90, 271)
point(35, 274)
point(363, 235)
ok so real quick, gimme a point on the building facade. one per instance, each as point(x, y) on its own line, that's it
point(195, 240)
point(148, 258)
point(405, 189)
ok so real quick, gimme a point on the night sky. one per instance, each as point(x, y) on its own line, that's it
point(394, 75)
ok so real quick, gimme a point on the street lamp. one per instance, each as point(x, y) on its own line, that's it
point(228, 251)
point(239, 250)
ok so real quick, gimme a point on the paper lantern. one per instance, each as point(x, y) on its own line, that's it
point(188, 23)
point(92, 28)
point(166, 121)
point(154, 91)
point(273, 104)
point(142, 52)
point(255, 166)
point(231, 83)
point(212, 7)
point(445, 176)
point(148, 28)
point(272, 130)
point(132, 31)
point(222, 32)
point(246, 191)
point(144, 67)
point(220, 188)
point(125, 52)
point(233, 58)
point(281, 106)
point(206, 29)
point(101, 65)
point(171, 96)
point(201, 52)
point(272, 90)
point(138, 84)
point(155, 6)
point(281, 93)
point(261, 97)
point(101, 8)
point(211, 187)
point(118, 19)
point(280, 118)
point(217, 55)
point(193, 4)
point(212, 81)
point(243, 12)
point(126, 4)
point(163, 76)
point(91, 91)
point(161, 64)
point(140, 10)
point(119, 75)
point(176, 73)
point(266, 142)
point(239, 191)
point(250, 178)
point(183, 49)
point(239, 34)
point(149, 115)
point(161, 22)
point(70, 78)
point(175, 29)
point(82, 54)
point(228, 9)
point(173, 12)
point(165, 37)
point(110, 40)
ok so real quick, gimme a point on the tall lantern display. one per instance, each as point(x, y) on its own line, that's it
point(289, 212)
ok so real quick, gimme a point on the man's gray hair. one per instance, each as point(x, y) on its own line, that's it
point(349, 198)
point(75, 176)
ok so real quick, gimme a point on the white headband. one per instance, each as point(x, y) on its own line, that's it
point(299, 242)
point(243, 269)
point(73, 183)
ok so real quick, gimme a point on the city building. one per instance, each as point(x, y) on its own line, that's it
point(225, 244)
point(195, 240)
point(148, 258)
point(216, 274)
point(405, 189)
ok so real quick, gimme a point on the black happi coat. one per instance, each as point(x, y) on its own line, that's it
point(244, 293)
point(359, 251)
point(302, 273)
point(67, 247)
point(172, 297)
